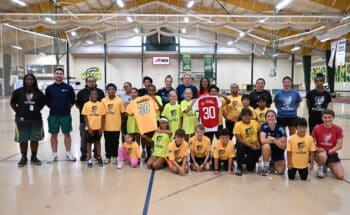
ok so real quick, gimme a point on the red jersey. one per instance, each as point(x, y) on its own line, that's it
point(208, 108)
point(326, 138)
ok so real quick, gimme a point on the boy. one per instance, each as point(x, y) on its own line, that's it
point(246, 104)
point(200, 150)
point(223, 152)
point(261, 110)
point(177, 153)
point(300, 148)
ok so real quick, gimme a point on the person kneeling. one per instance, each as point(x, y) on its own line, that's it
point(200, 150)
point(129, 152)
point(223, 152)
point(177, 153)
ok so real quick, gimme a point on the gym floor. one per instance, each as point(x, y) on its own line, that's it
point(72, 188)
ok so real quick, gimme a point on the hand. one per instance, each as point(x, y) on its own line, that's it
point(311, 166)
point(182, 172)
point(289, 165)
point(201, 167)
point(320, 150)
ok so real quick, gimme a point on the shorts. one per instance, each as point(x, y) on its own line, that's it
point(57, 122)
point(28, 130)
point(96, 137)
point(333, 159)
point(223, 165)
point(277, 154)
point(286, 121)
point(199, 161)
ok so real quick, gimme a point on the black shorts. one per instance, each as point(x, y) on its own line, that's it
point(199, 161)
point(96, 137)
point(277, 154)
point(288, 121)
point(333, 159)
point(223, 164)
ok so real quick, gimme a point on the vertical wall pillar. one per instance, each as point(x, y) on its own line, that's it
point(67, 62)
point(307, 71)
point(7, 59)
point(330, 71)
point(105, 59)
point(293, 61)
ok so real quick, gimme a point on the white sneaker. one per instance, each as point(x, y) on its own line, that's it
point(120, 164)
point(70, 157)
point(114, 160)
point(52, 158)
point(320, 172)
point(107, 161)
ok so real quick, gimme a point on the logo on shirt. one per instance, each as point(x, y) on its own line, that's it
point(199, 147)
point(110, 108)
point(301, 146)
point(159, 138)
point(287, 103)
point(221, 152)
point(129, 150)
point(94, 110)
point(319, 100)
point(173, 113)
point(29, 98)
point(326, 139)
point(249, 132)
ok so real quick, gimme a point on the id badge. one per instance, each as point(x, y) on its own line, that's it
point(31, 107)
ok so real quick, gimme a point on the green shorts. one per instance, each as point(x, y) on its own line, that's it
point(29, 130)
point(57, 122)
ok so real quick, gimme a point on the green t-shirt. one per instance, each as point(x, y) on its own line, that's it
point(132, 125)
point(161, 142)
point(173, 114)
point(190, 121)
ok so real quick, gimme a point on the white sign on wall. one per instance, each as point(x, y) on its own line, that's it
point(340, 55)
point(161, 60)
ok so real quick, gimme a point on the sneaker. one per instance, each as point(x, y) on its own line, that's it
point(325, 169)
point(52, 158)
point(107, 161)
point(114, 160)
point(89, 163)
point(22, 162)
point(265, 171)
point(100, 161)
point(70, 157)
point(83, 158)
point(320, 172)
point(120, 164)
point(238, 171)
point(35, 161)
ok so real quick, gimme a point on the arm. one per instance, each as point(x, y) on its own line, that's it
point(264, 139)
point(337, 147)
point(13, 102)
point(281, 143)
point(102, 123)
point(229, 165)
point(240, 139)
point(87, 124)
point(312, 160)
point(194, 160)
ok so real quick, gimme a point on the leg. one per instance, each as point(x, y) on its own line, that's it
point(34, 148)
point(83, 143)
point(89, 150)
point(216, 165)
point(108, 144)
point(241, 151)
point(321, 158)
point(210, 135)
point(230, 125)
point(266, 153)
point(280, 167)
point(173, 168)
point(150, 162)
point(98, 149)
point(303, 173)
point(186, 168)
point(158, 163)
point(193, 167)
point(116, 144)
point(337, 170)
point(67, 141)
point(54, 142)
point(291, 173)
point(252, 158)
point(24, 148)
point(134, 162)
point(207, 166)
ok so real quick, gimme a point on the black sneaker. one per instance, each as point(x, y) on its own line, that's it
point(238, 171)
point(35, 161)
point(99, 161)
point(83, 158)
point(22, 162)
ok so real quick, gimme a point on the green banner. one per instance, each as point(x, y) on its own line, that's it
point(208, 66)
point(342, 73)
point(186, 62)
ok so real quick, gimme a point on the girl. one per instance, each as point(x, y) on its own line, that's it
point(131, 125)
point(129, 152)
point(204, 84)
point(189, 116)
point(157, 99)
point(172, 111)
point(94, 116)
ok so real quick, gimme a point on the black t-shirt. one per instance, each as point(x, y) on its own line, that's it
point(255, 95)
point(317, 102)
point(28, 104)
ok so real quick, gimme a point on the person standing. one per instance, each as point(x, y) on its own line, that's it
point(147, 81)
point(232, 110)
point(164, 92)
point(60, 98)
point(27, 103)
point(126, 97)
point(317, 100)
point(258, 92)
point(187, 83)
point(83, 97)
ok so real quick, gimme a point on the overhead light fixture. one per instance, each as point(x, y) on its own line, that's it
point(186, 19)
point(17, 47)
point(48, 19)
point(190, 4)
point(324, 40)
point(19, 2)
point(89, 42)
point(73, 33)
point(296, 48)
point(242, 34)
point(262, 20)
point(283, 4)
point(120, 3)
point(136, 30)
point(42, 54)
point(345, 18)
point(129, 19)
point(183, 30)
point(275, 55)
point(230, 43)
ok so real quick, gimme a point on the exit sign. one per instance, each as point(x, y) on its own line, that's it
point(161, 60)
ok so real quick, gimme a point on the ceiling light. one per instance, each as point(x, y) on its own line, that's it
point(120, 3)
point(345, 18)
point(73, 33)
point(48, 19)
point(190, 4)
point(183, 30)
point(242, 34)
point(230, 43)
point(186, 19)
point(262, 20)
point(296, 48)
point(89, 42)
point(129, 19)
point(17, 47)
point(19, 2)
point(42, 54)
point(136, 30)
point(324, 40)
point(275, 55)
point(283, 4)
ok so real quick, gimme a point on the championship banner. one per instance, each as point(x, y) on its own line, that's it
point(92, 72)
point(340, 54)
point(186, 62)
point(208, 66)
point(331, 59)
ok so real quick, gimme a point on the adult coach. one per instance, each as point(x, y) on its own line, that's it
point(259, 92)
point(83, 97)
point(27, 102)
point(317, 100)
point(187, 83)
point(60, 98)
point(147, 81)
point(232, 109)
point(164, 92)
point(287, 102)
point(329, 140)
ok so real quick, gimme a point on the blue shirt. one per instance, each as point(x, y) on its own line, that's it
point(60, 98)
point(181, 90)
point(164, 94)
point(278, 132)
point(286, 102)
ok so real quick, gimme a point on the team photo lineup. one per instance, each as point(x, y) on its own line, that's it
point(184, 128)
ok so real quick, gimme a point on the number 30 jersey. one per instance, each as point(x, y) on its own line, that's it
point(208, 108)
point(144, 109)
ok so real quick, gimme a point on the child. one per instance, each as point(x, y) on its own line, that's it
point(160, 140)
point(189, 116)
point(300, 149)
point(152, 90)
point(172, 111)
point(248, 144)
point(114, 109)
point(261, 110)
point(246, 104)
point(94, 115)
point(129, 152)
point(200, 150)
point(223, 152)
point(177, 153)
point(131, 125)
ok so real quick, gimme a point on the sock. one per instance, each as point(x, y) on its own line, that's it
point(266, 163)
point(54, 154)
point(68, 153)
point(24, 154)
point(33, 154)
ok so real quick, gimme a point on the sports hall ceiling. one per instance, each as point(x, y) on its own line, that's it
point(308, 24)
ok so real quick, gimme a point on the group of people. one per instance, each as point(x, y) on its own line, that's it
point(175, 128)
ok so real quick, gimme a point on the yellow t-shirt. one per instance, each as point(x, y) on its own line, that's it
point(232, 109)
point(132, 149)
point(173, 114)
point(144, 109)
point(114, 108)
point(260, 115)
point(94, 112)
point(254, 116)
point(300, 147)
point(190, 121)
point(223, 105)
point(249, 132)
point(177, 153)
point(200, 148)
point(223, 153)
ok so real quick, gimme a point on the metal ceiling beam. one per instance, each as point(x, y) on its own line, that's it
point(342, 5)
point(44, 6)
point(251, 5)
